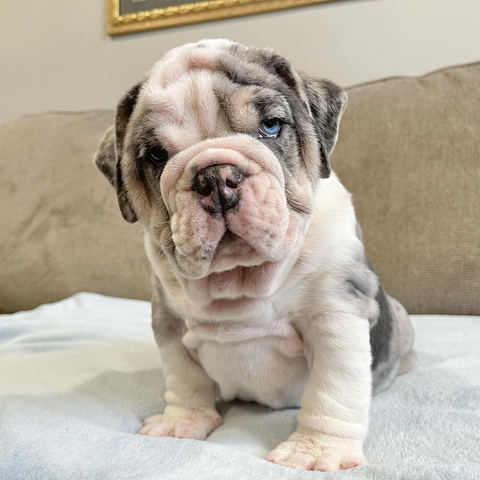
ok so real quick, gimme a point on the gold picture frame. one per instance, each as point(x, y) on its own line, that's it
point(175, 13)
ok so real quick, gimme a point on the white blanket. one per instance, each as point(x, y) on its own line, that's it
point(77, 377)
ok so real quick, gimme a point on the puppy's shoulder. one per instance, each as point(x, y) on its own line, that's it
point(331, 238)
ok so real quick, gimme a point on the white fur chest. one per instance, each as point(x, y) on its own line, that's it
point(262, 362)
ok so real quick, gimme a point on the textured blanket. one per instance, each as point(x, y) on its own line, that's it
point(77, 377)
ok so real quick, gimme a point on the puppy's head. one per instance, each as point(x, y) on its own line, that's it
point(219, 151)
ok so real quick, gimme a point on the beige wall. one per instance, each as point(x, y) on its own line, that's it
point(54, 54)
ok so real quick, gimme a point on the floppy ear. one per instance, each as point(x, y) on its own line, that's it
point(109, 153)
point(326, 102)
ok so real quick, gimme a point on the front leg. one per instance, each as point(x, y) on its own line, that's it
point(191, 393)
point(333, 419)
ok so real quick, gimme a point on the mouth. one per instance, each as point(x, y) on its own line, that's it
point(233, 251)
point(227, 238)
point(231, 245)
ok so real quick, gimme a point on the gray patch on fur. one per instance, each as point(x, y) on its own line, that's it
point(327, 101)
point(264, 67)
point(166, 326)
point(391, 340)
point(109, 154)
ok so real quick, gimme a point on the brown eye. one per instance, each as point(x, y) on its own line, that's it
point(158, 156)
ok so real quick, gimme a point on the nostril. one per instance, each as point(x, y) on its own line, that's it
point(204, 190)
point(206, 181)
point(235, 180)
point(233, 176)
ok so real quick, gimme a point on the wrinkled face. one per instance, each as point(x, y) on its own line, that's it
point(219, 151)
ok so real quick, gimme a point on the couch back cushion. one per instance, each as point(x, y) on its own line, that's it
point(408, 150)
point(60, 227)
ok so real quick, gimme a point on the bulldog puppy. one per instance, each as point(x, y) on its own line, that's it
point(262, 290)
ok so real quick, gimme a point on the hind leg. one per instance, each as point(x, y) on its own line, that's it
point(401, 356)
point(406, 335)
point(408, 362)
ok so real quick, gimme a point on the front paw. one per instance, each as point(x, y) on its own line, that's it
point(310, 450)
point(182, 422)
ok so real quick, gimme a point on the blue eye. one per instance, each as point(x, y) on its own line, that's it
point(270, 128)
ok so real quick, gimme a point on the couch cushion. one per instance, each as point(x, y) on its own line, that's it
point(61, 231)
point(409, 150)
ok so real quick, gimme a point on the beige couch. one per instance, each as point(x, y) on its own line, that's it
point(409, 150)
point(77, 377)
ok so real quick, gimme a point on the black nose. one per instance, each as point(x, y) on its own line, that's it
point(219, 182)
